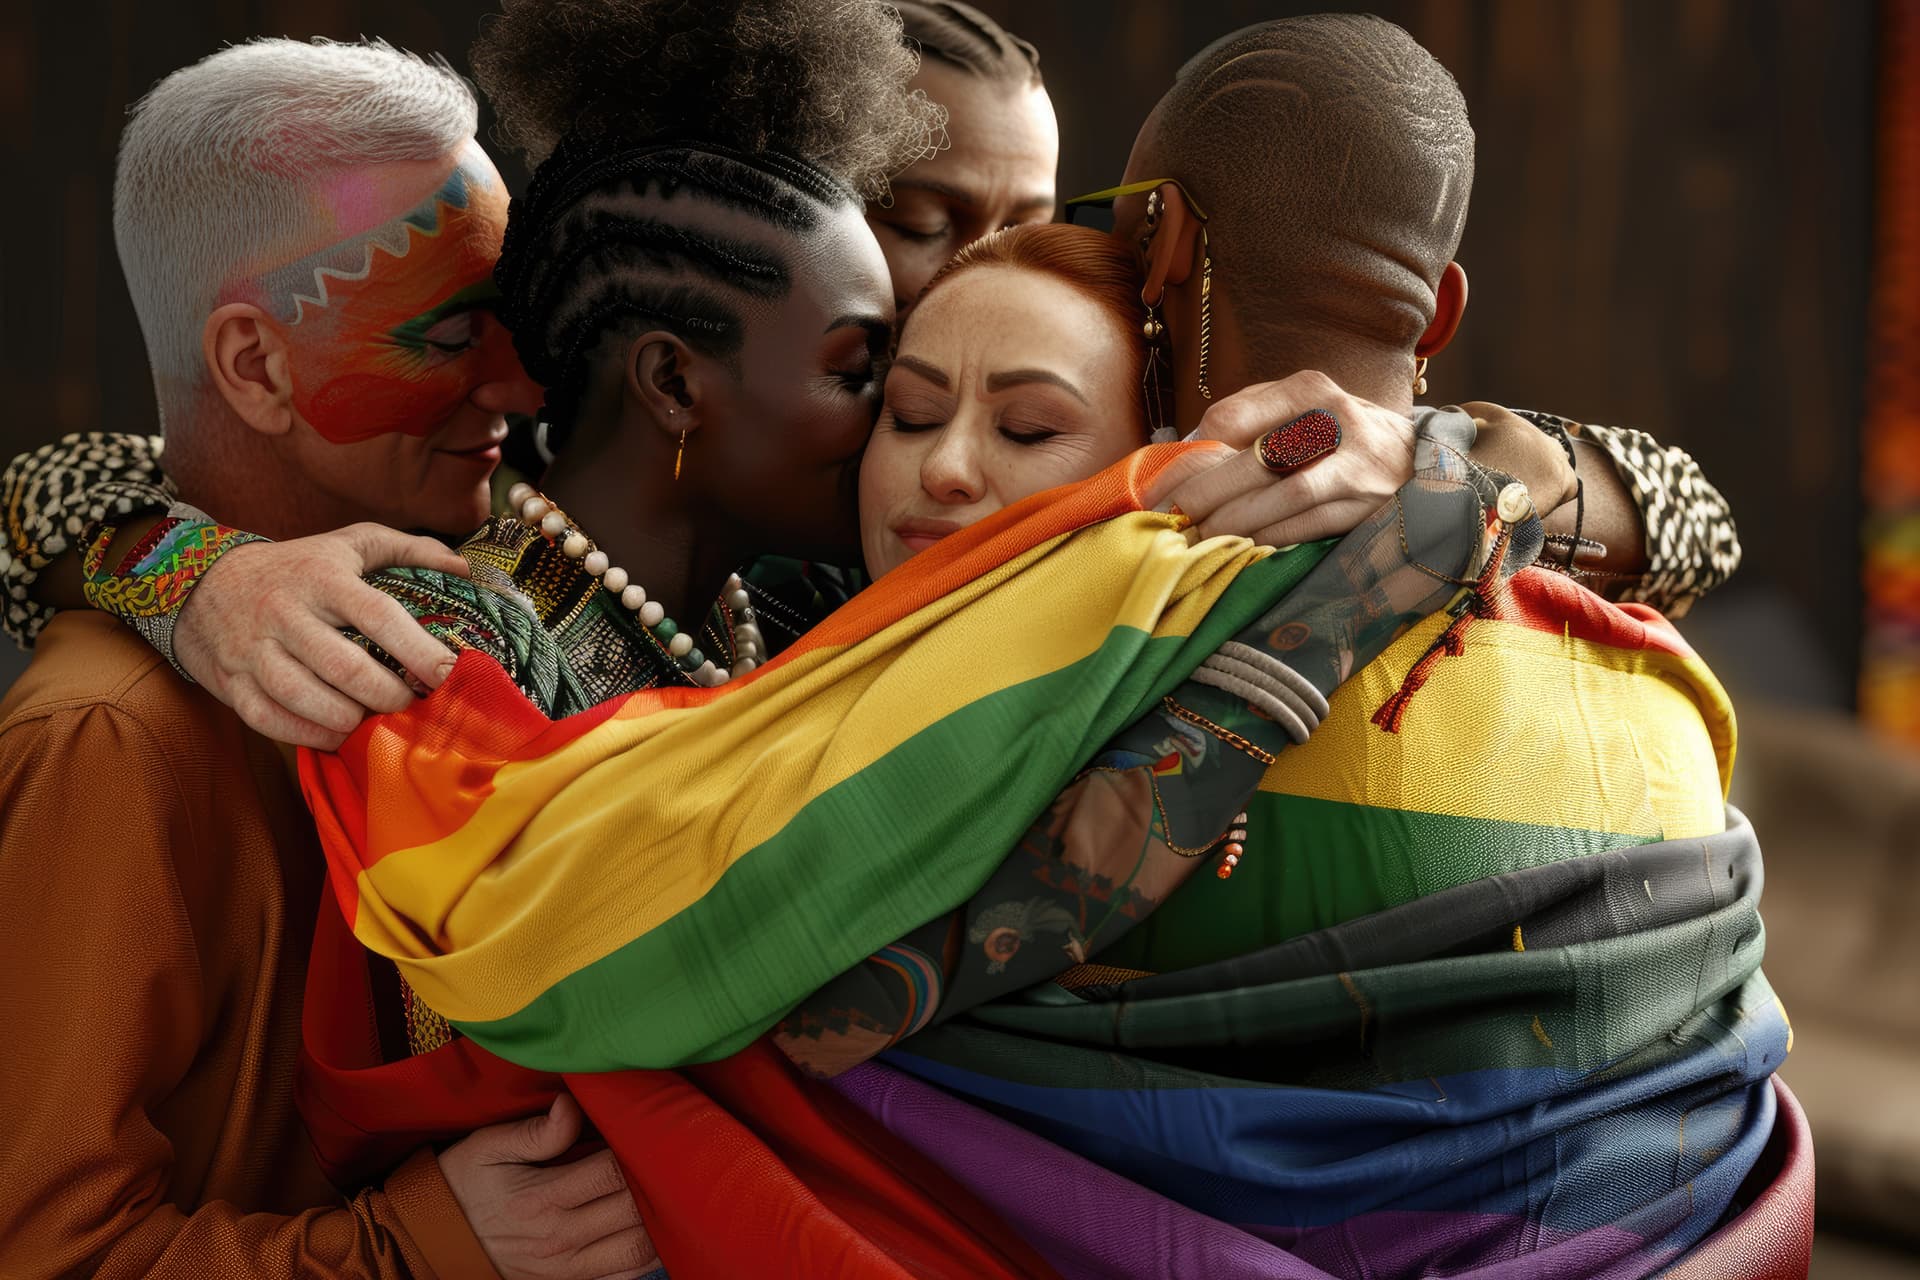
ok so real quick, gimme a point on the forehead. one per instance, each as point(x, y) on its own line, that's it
point(1003, 140)
point(999, 317)
point(428, 215)
point(837, 266)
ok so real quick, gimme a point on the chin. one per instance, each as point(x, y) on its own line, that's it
point(455, 517)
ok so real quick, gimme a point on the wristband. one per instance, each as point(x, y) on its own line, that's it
point(152, 582)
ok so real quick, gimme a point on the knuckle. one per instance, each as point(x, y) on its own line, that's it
point(1227, 420)
point(336, 668)
point(249, 705)
point(267, 682)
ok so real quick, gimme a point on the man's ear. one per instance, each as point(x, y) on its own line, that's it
point(246, 358)
point(1170, 245)
point(667, 379)
point(1449, 304)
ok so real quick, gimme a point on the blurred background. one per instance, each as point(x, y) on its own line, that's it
point(1696, 217)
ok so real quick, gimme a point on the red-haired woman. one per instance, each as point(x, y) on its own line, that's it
point(1023, 367)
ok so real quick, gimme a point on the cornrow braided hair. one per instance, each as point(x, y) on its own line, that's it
point(962, 36)
point(576, 267)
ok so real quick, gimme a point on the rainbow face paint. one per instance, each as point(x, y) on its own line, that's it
point(391, 329)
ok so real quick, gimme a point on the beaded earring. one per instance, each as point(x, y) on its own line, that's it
point(1420, 375)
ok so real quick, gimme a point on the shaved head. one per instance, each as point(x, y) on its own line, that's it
point(1333, 156)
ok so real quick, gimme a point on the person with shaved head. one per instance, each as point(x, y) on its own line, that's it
point(1489, 1000)
point(1322, 172)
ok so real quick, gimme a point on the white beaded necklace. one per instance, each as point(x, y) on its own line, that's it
point(532, 508)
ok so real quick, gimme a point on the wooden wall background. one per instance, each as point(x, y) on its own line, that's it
point(1669, 230)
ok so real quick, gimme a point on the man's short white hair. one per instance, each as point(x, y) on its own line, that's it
point(218, 162)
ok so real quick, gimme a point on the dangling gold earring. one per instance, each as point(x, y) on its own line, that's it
point(1150, 392)
point(1153, 331)
point(1206, 312)
point(681, 453)
point(1420, 375)
point(1156, 335)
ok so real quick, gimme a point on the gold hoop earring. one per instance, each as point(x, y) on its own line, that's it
point(681, 453)
point(1420, 375)
point(1206, 312)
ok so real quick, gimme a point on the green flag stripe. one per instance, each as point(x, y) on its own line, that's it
point(810, 902)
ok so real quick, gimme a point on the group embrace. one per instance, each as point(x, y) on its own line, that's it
point(978, 747)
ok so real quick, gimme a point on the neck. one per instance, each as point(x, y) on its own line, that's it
point(643, 520)
point(238, 476)
point(1373, 371)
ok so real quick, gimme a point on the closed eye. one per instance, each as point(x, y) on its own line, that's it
point(917, 235)
point(450, 328)
point(450, 335)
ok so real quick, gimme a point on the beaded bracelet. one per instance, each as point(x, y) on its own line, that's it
point(151, 584)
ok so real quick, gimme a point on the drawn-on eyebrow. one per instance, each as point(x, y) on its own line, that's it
point(1016, 377)
point(930, 372)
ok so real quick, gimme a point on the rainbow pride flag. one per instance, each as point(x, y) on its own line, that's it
point(1484, 999)
point(867, 781)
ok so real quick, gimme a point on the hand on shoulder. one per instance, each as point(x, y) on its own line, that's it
point(262, 632)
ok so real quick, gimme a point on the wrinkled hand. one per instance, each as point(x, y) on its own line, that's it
point(565, 1222)
point(1231, 493)
point(262, 632)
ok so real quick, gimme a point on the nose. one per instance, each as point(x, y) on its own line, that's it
point(504, 386)
point(951, 472)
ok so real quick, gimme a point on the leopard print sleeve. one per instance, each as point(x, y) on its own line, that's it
point(50, 495)
point(1693, 546)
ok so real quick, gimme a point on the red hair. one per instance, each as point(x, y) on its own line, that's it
point(1093, 263)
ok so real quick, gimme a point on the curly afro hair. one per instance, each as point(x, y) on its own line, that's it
point(825, 80)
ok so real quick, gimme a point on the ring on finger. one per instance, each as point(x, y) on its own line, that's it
point(1307, 439)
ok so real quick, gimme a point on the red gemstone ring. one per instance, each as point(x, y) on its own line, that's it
point(1308, 438)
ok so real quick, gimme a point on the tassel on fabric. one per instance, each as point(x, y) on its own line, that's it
point(1450, 643)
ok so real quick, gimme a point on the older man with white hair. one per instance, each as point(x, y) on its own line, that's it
point(308, 233)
